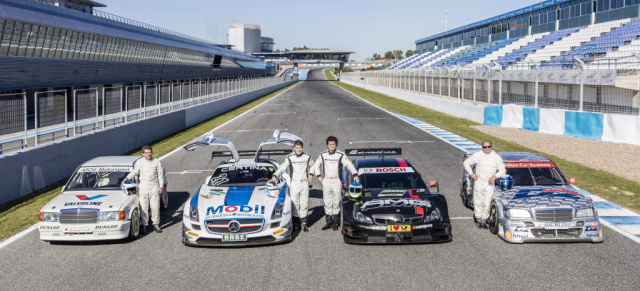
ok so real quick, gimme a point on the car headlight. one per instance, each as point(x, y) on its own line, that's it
point(359, 217)
point(517, 213)
point(277, 211)
point(108, 215)
point(51, 216)
point(435, 215)
point(586, 212)
point(193, 214)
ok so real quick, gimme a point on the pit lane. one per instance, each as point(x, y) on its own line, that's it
point(475, 259)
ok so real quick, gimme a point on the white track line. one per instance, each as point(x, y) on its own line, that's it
point(35, 226)
point(357, 118)
point(252, 130)
point(603, 221)
point(392, 141)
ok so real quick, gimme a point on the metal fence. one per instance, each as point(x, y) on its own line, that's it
point(591, 90)
point(36, 117)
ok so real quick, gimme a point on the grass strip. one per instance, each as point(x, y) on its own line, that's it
point(18, 215)
point(621, 191)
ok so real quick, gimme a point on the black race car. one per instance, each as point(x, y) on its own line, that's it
point(395, 205)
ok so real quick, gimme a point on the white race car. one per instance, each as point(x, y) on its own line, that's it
point(235, 205)
point(93, 206)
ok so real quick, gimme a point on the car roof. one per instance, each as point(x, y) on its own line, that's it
point(381, 163)
point(121, 161)
point(246, 162)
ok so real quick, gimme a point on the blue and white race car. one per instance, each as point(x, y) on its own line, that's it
point(236, 206)
point(540, 206)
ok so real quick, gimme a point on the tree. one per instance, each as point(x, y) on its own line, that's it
point(376, 57)
point(409, 53)
point(286, 50)
point(398, 54)
point(389, 55)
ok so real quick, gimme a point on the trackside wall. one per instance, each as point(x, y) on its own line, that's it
point(23, 172)
point(597, 126)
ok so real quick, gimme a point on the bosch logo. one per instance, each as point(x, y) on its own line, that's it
point(391, 170)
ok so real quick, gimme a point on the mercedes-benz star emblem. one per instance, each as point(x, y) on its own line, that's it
point(234, 226)
point(398, 218)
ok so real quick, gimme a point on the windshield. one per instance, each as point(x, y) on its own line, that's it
point(536, 176)
point(97, 179)
point(242, 176)
point(392, 181)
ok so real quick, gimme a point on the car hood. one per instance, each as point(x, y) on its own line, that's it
point(547, 197)
point(110, 199)
point(404, 202)
point(223, 202)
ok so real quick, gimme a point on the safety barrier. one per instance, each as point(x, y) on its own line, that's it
point(28, 170)
point(589, 125)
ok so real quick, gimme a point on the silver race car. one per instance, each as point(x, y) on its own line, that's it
point(536, 203)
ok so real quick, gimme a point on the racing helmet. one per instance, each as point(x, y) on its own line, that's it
point(271, 189)
point(506, 182)
point(129, 187)
point(355, 190)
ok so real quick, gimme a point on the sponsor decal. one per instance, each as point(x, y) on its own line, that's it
point(385, 170)
point(591, 221)
point(193, 234)
point(520, 165)
point(521, 235)
point(384, 203)
point(50, 227)
point(84, 202)
point(244, 209)
point(377, 227)
point(85, 197)
point(521, 229)
point(279, 231)
point(591, 228)
point(105, 169)
point(106, 226)
point(529, 193)
point(423, 226)
point(592, 235)
point(216, 192)
point(205, 196)
point(420, 190)
point(243, 167)
point(388, 193)
point(399, 228)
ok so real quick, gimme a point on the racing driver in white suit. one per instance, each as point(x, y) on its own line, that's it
point(299, 165)
point(328, 168)
point(151, 179)
point(489, 166)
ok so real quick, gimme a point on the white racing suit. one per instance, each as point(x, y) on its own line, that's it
point(299, 168)
point(151, 178)
point(487, 166)
point(329, 167)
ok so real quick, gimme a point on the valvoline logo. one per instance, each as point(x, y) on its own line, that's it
point(85, 197)
point(530, 193)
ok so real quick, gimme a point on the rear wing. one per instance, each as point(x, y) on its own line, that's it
point(252, 153)
point(381, 152)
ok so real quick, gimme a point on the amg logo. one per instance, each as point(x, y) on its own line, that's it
point(383, 203)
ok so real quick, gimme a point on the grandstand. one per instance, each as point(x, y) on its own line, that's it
point(578, 55)
point(69, 68)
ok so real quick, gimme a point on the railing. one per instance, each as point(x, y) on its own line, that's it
point(582, 89)
point(35, 118)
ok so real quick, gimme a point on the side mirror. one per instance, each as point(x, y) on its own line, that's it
point(433, 184)
point(572, 181)
point(206, 181)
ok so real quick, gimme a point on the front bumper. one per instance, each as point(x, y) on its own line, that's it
point(192, 236)
point(532, 231)
point(357, 233)
point(113, 230)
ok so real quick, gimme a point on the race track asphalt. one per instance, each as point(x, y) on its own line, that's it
point(474, 260)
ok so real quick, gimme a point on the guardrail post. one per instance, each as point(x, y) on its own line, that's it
point(97, 125)
point(581, 64)
point(66, 115)
point(537, 86)
point(499, 83)
point(35, 103)
point(489, 81)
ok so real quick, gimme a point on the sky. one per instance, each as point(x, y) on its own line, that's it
point(361, 26)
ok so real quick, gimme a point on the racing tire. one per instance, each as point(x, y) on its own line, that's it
point(464, 196)
point(134, 229)
point(164, 200)
point(494, 226)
